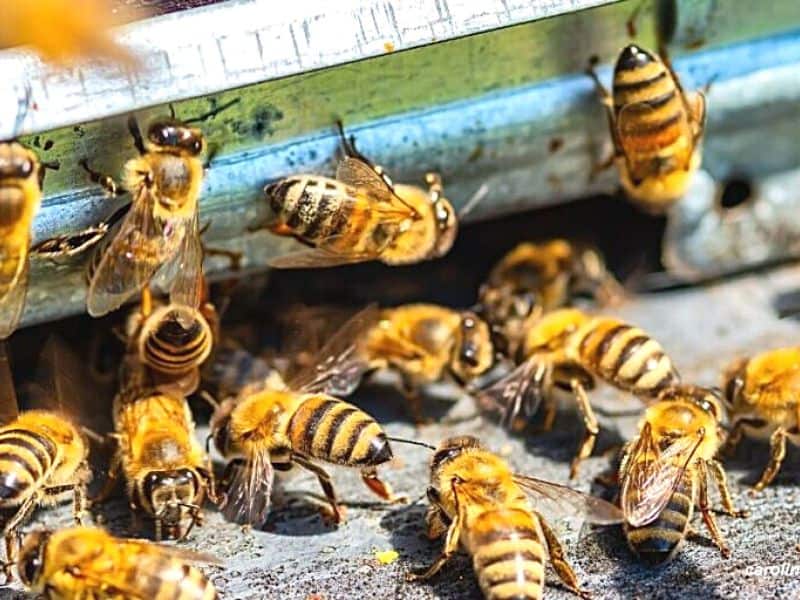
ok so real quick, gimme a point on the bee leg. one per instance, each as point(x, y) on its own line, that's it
point(10, 531)
point(559, 560)
point(380, 488)
point(414, 402)
point(733, 439)
point(325, 482)
point(708, 514)
point(549, 411)
point(589, 421)
point(718, 473)
point(450, 543)
point(777, 447)
point(107, 182)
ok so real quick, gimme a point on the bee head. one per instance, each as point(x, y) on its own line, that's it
point(708, 399)
point(473, 354)
point(170, 492)
point(173, 136)
point(30, 562)
point(733, 382)
point(450, 449)
point(17, 162)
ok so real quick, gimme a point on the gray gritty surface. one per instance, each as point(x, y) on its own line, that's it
point(301, 557)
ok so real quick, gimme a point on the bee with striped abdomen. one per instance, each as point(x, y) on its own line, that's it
point(569, 350)
point(361, 215)
point(493, 513)
point(665, 470)
point(43, 452)
point(656, 127)
point(89, 563)
point(427, 343)
point(763, 398)
point(273, 427)
point(535, 278)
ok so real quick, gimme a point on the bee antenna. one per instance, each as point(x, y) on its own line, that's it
point(411, 442)
point(209, 399)
point(474, 201)
point(213, 112)
point(171, 110)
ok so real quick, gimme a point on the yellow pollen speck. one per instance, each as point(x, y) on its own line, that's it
point(387, 557)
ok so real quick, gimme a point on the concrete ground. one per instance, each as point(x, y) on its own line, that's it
point(300, 557)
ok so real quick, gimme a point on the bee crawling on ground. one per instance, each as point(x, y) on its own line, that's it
point(569, 350)
point(480, 504)
point(426, 343)
point(657, 128)
point(43, 451)
point(535, 278)
point(359, 216)
point(272, 425)
point(763, 398)
point(88, 562)
point(160, 235)
point(665, 471)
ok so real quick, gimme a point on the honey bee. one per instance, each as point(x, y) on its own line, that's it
point(493, 513)
point(359, 216)
point(426, 343)
point(656, 127)
point(762, 398)
point(64, 31)
point(569, 350)
point(43, 452)
point(88, 562)
point(535, 278)
point(274, 427)
point(160, 235)
point(665, 470)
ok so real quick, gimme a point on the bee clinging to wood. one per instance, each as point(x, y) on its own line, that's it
point(657, 128)
point(763, 398)
point(359, 216)
point(665, 471)
point(570, 350)
point(477, 502)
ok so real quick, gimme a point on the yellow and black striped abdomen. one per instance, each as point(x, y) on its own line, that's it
point(181, 340)
point(658, 541)
point(26, 458)
point(338, 432)
point(651, 116)
point(314, 208)
point(507, 554)
point(164, 577)
point(625, 356)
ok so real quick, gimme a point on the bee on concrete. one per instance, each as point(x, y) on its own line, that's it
point(43, 451)
point(763, 398)
point(493, 513)
point(656, 127)
point(88, 562)
point(569, 350)
point(270, 426)
point(665, 470)
point(359, 216)
point(535, 278)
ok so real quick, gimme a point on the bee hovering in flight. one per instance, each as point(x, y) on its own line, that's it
point(665, 470)
point(535, 278)
point(656, 127)
point(43, 452)
point(359, 216)
point(569, 350)
point(493, 513)
point(763, 398)
point(160, 235)
point(273, 426)
point(87, 562)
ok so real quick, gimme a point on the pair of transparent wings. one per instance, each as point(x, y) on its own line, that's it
point(337, 369)
point(60, 384)
point(143, 248)
point(393, 212)
point(652, 475)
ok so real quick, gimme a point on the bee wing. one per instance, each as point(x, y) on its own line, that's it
point(315, 258)
point(518, 394)
point(339, 366)
point(187, 284)
point(247, 499)
point(9, 408)
point(13, 302)
point(652, 476)
point(562, 501)
point(136, 252)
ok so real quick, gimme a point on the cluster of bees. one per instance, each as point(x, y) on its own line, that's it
point(267, 419)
